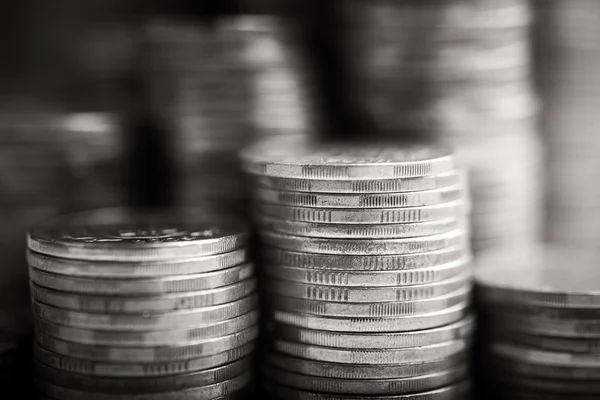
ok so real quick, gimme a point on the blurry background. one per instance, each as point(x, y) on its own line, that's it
point(107, 102)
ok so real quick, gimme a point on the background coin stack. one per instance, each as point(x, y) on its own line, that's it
point(568, 65)
point(366, 270)
point(217, 87)
point(457, 71)
point(142, 305)
point(541, 308)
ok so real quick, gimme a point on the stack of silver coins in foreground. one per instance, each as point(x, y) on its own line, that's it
point(541, 309)
point(366, 270)
point(142, 305)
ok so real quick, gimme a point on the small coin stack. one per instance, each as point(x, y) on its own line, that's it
point(541, 308)
point(142, 304)
point(366, 270)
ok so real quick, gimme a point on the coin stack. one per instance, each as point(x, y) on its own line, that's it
point(142, 304)
point(366, 270)
point(541, 308)
point(456, 71)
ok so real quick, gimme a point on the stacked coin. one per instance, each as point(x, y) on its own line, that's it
point(456, 71)
point(215, 88)
point(366, 270)
point(142, 304)
point(541, 308)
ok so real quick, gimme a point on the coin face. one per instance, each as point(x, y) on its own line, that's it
point(122, 234)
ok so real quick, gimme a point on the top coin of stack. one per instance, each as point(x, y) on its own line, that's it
point(366, 267)
point(132, 304)
point(542, 311)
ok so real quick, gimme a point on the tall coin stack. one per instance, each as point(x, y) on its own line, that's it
point(541, 308)
point(142, 305)
point(456, 71)
point(366, 270)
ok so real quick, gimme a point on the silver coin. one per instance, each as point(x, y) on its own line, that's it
point(533, 356)
point(456, 209)
point(537, 276)
point(146, 269)
point(146, 304)
point(559, 344)
point(139, 386)
point(560, 314)
point(364, 263)
point(163, 321)
point(366, 294)
point(141, 370)
point(354, 231)
point(569, 387)
point(544, 371)
point(459, 391)
point(163, 285)
point(389, 340)
point(368, 386)
point(146, 338)
point(374, 324)
point(121, 234)
point(182, 351)
point(546, 327)
point(365, 246)
point(375, 310)
point(363, 371)
point(382, 200)
point(303, 159)
point(367, 278)
point(205, 392)
point(397, 185)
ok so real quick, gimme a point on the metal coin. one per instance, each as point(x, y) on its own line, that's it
point(364, 263)
point(171, 383)
point(558, 344)
point(533, 356)
point(181, 351)
point(129, 287)
point(366, 294)
point(146, 338)
point(546, 327)
point(365, 246)
point(390, 340)
point(569, 387)
point(545, 371)
point(121, 234)
point(303, 159)
point(163, 321)
point(141, 370)
point(368, 386)
point(205, 392)
point(363, 371)
point(367, 278)
point(146, 269)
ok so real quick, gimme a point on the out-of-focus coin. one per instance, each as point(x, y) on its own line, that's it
point(558, 344)
point(545, 357)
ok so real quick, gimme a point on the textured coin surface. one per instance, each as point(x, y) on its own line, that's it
point(302, 159)
point(146, 338)
point(129, 287)
point(363, 371)
point(146, 269)
point(539, 276)
point(139, 370)
point(142, 385)
point(122, 234)
point(391, 340)
point(205, 392)
point(163, 321)
point(559, 344)
point(365, 246)
point(183, 351)
point(549, 327)
point(367, 387)
point(355, 231)
point(367, 278)
point(542, 357)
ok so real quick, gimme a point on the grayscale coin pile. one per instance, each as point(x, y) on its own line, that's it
point(457, 71)
point(142, 304)
point(541, 319)
point(366, 273)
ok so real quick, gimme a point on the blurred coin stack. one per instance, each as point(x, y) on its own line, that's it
point(456, 71)
point(217, 87)
point(569, 61)
point(365, 268)
point(540, 311)
point(142, 305)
